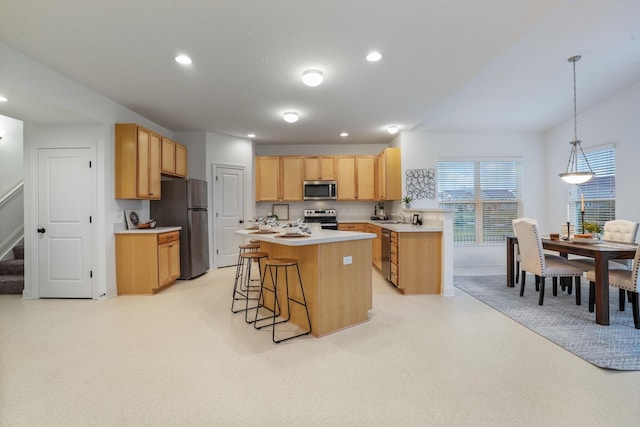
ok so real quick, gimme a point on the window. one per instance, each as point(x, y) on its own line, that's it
point(599, 192)
point(486, 196)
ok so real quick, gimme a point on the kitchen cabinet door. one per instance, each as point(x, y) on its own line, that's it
point(291, 178)
point(347, 178)
point(389, 175)
point(365, 177)
point(137, 162)
point(321, 168)
point(279, 178)
point(267, 178)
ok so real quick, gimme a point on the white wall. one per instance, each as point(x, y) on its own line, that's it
point(11, 176)
point(90, 119)
point(614, 121)
point(422, 150)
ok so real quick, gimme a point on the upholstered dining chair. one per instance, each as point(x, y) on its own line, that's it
point(626, 280)
point(617, 230)
point(535, 261)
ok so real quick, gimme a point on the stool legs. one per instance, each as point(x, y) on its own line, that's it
point(242, 287)
point(270, 265)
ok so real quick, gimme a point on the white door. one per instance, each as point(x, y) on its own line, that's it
point(64, 223)
point(228, 213)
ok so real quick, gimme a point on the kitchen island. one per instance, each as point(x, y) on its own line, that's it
point(336, 274)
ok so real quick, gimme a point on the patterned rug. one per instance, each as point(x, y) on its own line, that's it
point(562, 322)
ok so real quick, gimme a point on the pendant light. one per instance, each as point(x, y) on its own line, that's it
point(572, 175)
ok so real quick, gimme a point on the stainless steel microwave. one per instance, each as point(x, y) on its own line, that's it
point(320, 190)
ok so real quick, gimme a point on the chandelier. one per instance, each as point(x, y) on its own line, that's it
point(572, 175)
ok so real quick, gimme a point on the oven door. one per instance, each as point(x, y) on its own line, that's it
point(329, 224)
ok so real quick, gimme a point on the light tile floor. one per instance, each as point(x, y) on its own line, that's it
point(180, 358)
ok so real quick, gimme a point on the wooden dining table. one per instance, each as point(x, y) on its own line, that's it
point(601, 253)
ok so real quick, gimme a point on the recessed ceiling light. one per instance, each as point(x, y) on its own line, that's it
point(374, 56)
point(312, 78)
point(344, 134)
point(290, 117)
point(392, 129)
point(251, 135)
point(183, 59)
point(3, 99)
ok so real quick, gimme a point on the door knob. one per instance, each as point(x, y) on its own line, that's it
point(241, 221)
point(41, 230)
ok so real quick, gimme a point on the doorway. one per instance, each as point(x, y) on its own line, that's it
point(228, 211)
point(64, 222)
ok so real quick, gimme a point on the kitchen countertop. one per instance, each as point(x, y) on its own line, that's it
point(156, 230)
point(317, 237)
point(399, 228)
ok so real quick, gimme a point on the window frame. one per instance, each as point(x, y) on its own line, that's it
point(480, 202)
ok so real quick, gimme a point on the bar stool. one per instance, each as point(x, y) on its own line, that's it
point(247, 247)
point(242, 287)
point(272, 265)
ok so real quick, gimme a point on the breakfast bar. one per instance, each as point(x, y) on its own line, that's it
point(335, 267)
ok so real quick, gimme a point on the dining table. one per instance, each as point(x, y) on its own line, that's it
point(601, 252)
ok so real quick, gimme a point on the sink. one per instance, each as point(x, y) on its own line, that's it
point(385, 221)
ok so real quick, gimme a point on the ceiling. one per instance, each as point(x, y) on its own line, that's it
point(447, 64)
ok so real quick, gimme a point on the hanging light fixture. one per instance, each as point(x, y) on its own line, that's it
point(572, 175)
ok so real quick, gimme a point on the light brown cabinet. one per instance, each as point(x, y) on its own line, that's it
point(416, 262)
point(279, 178)
point(356, 177)
point(137, 162)
point(351, 226)
point(146, 262)
point(320, 168)
point(376, 246)
point(174, 159)
point(389, 175)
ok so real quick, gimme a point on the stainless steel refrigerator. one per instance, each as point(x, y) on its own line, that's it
point(184, 203)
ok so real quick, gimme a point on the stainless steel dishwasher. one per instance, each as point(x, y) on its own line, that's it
point(386, 254)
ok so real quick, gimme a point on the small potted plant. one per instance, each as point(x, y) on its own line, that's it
point(591, 227)
point(407, 201)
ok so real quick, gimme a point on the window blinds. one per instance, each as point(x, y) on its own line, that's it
point(486, 196)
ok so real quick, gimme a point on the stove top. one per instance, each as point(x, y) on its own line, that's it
point(320, 213)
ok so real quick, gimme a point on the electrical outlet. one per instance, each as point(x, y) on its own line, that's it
point(347, 260)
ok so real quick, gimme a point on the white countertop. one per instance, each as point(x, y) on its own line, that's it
point(156, 230)
point(428, 227)
point(317, 237)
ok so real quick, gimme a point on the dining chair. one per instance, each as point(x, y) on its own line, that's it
point(625, 280)
point(535, 261)
point(617, 230)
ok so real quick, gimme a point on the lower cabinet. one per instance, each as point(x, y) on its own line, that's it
point(416, 262)
point(146, 262)
point(351, 226)
point(376, 246)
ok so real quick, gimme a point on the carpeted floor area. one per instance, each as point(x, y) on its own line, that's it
point(562, 322)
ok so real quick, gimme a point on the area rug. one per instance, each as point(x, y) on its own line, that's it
point(562, 322)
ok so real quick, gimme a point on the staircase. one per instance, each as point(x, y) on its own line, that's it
point(12, 273)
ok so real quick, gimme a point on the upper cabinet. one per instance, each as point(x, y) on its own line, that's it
point(174, 159)
point(137, 162)
point(320, 168)
point(279, 178)
point(356, 178)
point(389, 175)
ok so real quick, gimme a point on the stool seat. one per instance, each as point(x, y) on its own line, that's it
point(281, 262)
point(254, 241)
point(246, 246)
point(254, 255)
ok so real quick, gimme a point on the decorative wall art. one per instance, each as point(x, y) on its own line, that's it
point(421, 183)
point(132, 218)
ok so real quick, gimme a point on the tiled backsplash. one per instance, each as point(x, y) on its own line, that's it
point(347, 211)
